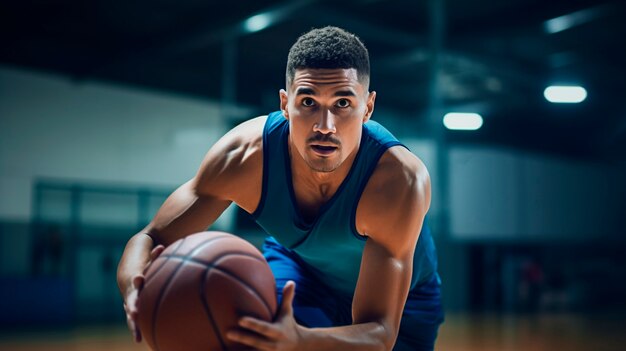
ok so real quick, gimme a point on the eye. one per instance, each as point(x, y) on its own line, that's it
point(308, 102)
point(343, 103)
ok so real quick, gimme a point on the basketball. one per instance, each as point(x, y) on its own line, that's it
point(197, 290)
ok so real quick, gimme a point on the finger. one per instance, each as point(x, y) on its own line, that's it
point(132, 325)
point(130, 309)
point(130, 305)
point(249, 339)
point(156, 252)
point(132, 312)
point(138, 281)
point(137, 334)
point(289, 292)
point(268, 330)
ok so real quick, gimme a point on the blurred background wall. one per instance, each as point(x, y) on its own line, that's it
point(83, 166)
point(96, 130)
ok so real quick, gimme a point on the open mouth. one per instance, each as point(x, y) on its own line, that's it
point(323, 149)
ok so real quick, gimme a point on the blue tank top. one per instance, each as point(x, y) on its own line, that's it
point(330, 245)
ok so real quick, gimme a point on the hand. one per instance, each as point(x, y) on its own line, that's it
point(130, 302)
point(282, 335)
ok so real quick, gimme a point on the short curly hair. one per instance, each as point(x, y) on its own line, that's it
point(329, 47)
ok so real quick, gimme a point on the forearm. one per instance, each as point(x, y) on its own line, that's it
point(183, 213)
point(362, 337)
point(135, 258)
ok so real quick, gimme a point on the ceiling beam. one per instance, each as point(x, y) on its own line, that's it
point(366, 30)
point(199, 38)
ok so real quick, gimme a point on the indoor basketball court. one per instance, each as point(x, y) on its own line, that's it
point(465, 332)
point(510, 111)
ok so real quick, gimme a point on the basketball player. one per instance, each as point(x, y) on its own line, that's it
point(343, 201)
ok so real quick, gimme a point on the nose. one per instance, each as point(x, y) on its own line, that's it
point(325, 123)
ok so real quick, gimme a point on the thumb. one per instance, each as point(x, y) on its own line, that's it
point(156, 252)
point(289, 292)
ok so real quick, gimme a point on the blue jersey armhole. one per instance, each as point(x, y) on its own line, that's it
point(383, 148)
point(259, 209)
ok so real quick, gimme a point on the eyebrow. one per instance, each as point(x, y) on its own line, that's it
point(309, 91)
point(305, 91)
point(345, 93)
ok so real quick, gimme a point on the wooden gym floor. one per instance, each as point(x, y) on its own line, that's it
point(557, 332)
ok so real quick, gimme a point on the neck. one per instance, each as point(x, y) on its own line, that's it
point(323, 184)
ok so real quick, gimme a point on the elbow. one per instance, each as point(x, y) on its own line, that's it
point(389, 343)
point(387, 337)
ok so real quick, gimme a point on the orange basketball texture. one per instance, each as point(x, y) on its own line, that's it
point(199, 287)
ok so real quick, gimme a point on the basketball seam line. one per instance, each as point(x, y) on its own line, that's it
point(209, 313)
point(168, 283)
point(229, 273)
point(155, 308)
point(163, 264)
point(240, 253)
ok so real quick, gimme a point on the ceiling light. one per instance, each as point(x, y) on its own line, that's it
point(565, 94)
point(257, 22)
point(573, 19)
point(462, 121)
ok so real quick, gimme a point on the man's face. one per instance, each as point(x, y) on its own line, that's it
point(326, 109)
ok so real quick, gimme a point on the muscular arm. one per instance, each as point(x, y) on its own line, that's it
point(228, 173)
point(390, 214)
point(183, 213)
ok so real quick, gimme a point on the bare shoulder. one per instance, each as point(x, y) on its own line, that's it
point(234, 164)
point(397, 195)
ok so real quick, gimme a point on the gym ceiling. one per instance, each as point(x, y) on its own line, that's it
point(494, 57)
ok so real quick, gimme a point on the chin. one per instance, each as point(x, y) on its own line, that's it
point(326, 166)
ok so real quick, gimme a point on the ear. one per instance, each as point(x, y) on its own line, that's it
point(284, 101)
point(371, 99)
